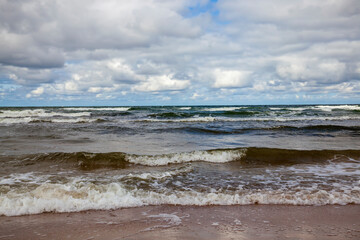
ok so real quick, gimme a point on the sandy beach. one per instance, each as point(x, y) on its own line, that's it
point(191, 222)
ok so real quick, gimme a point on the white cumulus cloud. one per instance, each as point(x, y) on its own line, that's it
point(231, 78)
point(162, 83)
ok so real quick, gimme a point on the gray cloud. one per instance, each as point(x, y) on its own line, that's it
point(37, 33)
point(117, 48)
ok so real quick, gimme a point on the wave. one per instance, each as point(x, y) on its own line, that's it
point(187, 116)
point(221, 109)
point(38, 178)
point(47, 120)
point(258, 119)
point(325, 108)
point(78, 196)
point(39, 113)
point(121, 109)
point(296, 177)
point(171, 115)
point(329, 108)
point(241, 157)
point(119, 160)
point(330, 128)
point(193, 119)
point(204, 130)
point(213, 156)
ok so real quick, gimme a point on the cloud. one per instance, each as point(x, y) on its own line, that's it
point(308, 14)
point(38, 33)
point(93, 77)
point(255, 50)
point(161, 83)
point(37, 92)
point(27, 76)
point(321, 71)
point(231, 78)
point(195, 96)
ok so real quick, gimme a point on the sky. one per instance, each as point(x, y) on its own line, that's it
point(184, 52)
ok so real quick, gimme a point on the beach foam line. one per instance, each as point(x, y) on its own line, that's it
point(78, 196)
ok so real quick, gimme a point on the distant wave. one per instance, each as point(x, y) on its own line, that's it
point(39, 113)
point(49, 120)
point(170, 117)
point(327, 128)
point(216, 109)
point(260, 119)
point(122, 109)
point(325, 108)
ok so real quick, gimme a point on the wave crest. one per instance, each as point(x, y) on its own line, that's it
point(79, 196)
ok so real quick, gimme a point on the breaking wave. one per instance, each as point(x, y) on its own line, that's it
point(251, 156)
point(257, 119)
point(79, 196)
point(268, 176)
point(121, 109)
point(39, 113)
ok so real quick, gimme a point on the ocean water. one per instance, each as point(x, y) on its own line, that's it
point(65, 159)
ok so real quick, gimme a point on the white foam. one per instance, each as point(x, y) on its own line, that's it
point(258, 119)
point(185, 108)
point(207, 156)
point(16, 120)
point(73, 120)
point(38, 113)
point(16, 178)
point(329, 108)
point(325, 108)
point(78, 196)
point(222, 109)
point(331, 169)
point(237, 222)
point(297, 109)
point(194, 119)
point(50, 120)
point(171, 219)
point(120, 109)
point(160, 175)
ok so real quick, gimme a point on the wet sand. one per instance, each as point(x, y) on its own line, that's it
point(191, 222)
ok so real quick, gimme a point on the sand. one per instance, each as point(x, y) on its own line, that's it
point(191, 222)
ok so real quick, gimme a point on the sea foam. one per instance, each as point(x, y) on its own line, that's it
point(206, 156)
point(78, 196)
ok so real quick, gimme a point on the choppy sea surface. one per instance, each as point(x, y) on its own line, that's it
point(65, 159)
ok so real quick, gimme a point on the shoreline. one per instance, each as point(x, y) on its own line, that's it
point(190, 222)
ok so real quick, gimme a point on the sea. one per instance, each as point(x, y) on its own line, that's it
point(69, 159)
